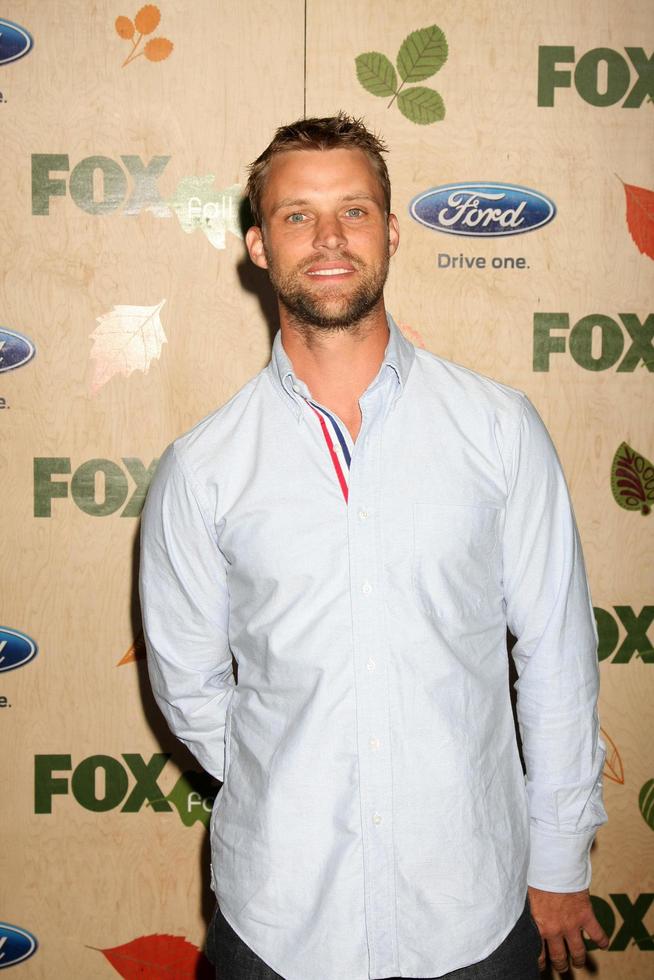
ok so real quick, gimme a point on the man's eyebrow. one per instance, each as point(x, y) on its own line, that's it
point(297, 202)
point(289, 202)
point(363, 196)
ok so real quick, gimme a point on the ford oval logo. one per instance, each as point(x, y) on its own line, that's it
point(15, 350)
point(16, 944)
point(16, 649)
point(482, 210)
point(15, 42)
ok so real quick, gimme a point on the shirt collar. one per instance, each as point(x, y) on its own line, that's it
point(399, 356)
point(400, 353)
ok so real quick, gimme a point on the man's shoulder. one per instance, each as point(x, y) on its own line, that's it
point(449, 380)
point(214, 431)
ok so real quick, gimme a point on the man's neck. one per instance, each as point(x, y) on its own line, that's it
point(337, 366)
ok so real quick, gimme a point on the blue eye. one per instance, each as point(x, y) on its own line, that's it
point(354, 212)
point(296, 219)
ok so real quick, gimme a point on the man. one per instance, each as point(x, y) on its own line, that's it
point(357, 527)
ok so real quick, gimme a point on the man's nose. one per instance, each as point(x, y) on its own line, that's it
point(329, 233)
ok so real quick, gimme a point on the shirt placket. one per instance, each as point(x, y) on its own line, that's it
point(372, 690)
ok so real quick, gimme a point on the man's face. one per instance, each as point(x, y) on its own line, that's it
point(326, 240)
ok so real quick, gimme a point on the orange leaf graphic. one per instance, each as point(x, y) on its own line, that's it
point(147, 19)
point(124, 28)
point(135, 652)
point(640, 217)
point(158, 957)
point(613, 768)
point(158, 49)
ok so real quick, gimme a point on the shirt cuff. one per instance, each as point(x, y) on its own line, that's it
point(559, 863)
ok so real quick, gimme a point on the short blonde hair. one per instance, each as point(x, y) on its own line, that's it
point(328, 133)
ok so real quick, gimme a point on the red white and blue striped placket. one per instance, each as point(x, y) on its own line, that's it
point(342, 471)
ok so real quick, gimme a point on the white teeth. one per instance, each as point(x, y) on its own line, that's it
point(329, 272)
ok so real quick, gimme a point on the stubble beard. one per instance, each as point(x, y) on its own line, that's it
point(310, 311)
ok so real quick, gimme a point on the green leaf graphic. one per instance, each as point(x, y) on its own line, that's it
point(198, 204)
point(421, 105)
point(632, 480)
point(421, 55)
point(193, 796)
point(376, 73)
point(646, 803)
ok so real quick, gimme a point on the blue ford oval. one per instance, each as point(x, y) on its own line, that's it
point(482, 210)
point(16, 649)
point(16, 944)
point(15, 350)
point(15, 41)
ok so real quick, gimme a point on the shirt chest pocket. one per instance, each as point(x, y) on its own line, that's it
point(455, 561)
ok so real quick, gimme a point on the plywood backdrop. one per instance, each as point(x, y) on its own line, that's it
point(122, 263)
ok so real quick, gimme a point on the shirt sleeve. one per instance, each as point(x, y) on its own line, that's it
point(184, 601)
point(549, 611)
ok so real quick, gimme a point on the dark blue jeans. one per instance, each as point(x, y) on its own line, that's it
point(514, 959)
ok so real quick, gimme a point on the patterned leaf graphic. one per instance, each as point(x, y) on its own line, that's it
point(646, 803)
point(147, 19)
point(640, 217)
point(135, 652)
point(421, 105)
point(376, 73)
point(613, 768)
point(632, 480)
point(125, 340)
point(158, 49)
point(198, 204)
point(125, 28)
point(192, 796)
point(421, 55)
point(159, 957)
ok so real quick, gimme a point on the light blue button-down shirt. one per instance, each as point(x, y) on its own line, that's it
point(375, 820)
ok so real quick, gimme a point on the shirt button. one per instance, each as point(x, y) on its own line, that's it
point(363, 514)
point(374, 743)
point(366, 588)
point(370, 664)
point(376, 819)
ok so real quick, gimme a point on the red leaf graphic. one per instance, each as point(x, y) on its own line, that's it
point(135, 652)
point(640, 217)
point(613, 768)
point(159, 957)
point(414, 335)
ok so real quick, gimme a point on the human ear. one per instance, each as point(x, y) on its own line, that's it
point(393, 234)
point(254, 245)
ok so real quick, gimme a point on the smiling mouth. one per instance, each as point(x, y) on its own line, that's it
point(330, 272)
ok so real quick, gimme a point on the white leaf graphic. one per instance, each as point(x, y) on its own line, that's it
point(125, 340)
point(198, 204)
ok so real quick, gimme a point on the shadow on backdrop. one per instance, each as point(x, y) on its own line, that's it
point(255, 280)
